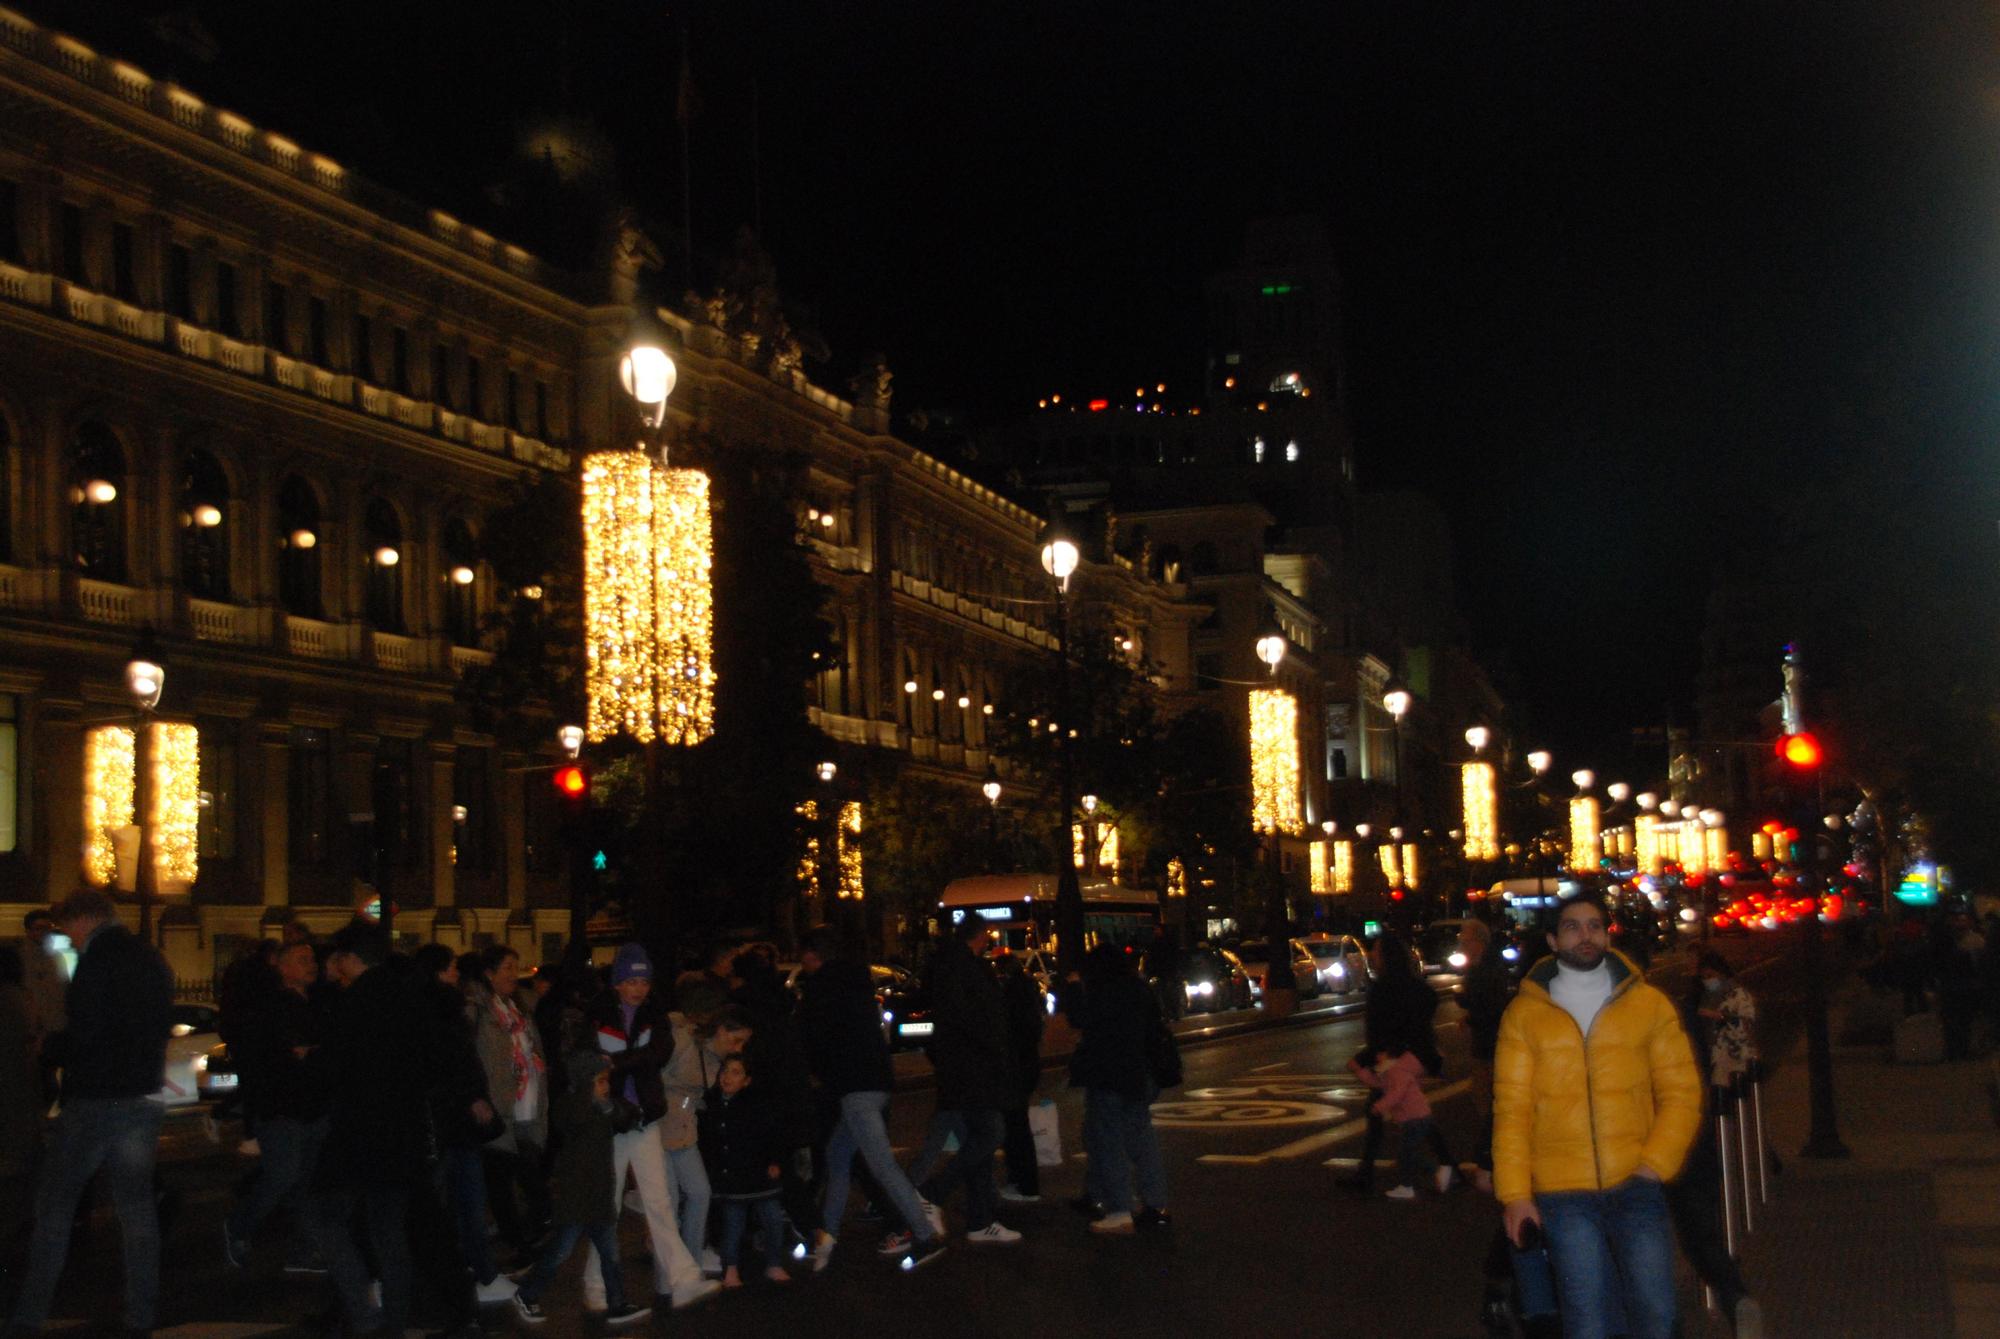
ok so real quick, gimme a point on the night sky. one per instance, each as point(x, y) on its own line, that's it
point(1619, 275)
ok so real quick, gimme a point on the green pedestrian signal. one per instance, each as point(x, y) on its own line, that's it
point(600, 862)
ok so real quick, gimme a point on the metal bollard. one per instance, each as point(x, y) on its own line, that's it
point(1722, 1124)
point(1763, 1158)
point(1743, 1151)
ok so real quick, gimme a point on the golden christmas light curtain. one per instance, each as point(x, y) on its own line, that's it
point(1694, 851)
point(1274, 761)
point(1322, 878)
point(110, 801)
point(808, 872)
point(1583, 833)
point(1409, 866)
point(1392, 865)
point(1176, 878)
point(1343, 867)
point(1107, 845)
point(648, 600)
point(1482, 814)
point(847, 850)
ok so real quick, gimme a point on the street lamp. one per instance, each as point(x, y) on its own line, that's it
point(145, 680)
point(1618, 791)
point(1060, 558)
point(646, 371)
point(1271, 646)
point(571, 739)
point(1477, 737)
point(991, 790)
point(1584, 778)
point(1648, 801)
point(1539, 761)
point(1280, 986)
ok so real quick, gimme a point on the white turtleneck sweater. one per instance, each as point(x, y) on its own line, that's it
point(1581, 993)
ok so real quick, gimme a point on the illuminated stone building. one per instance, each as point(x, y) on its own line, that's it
point(262, 408)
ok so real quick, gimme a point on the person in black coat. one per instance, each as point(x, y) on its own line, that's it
point(1118, 1017)
point(743, 1143)
point(276, 1043)
point(777, 1058)
point(975, 1081)
point(112, 1050)
point(1026, 1015)
point(1401, 1009)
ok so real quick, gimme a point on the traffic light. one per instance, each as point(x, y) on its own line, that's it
point(572, 784)
point(1801, 751)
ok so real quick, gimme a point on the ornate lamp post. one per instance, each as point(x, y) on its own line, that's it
point(991, 790)
point(1274, 785)
point(1060, 557)
point(145, 680)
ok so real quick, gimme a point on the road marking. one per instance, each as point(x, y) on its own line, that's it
point(1266, 1069)
point(1241, 1111)
point(1312, 1143)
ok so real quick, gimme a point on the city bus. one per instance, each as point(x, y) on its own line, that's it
point(1021, 910)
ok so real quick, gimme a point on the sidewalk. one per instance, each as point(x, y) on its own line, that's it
point(1901, 1239)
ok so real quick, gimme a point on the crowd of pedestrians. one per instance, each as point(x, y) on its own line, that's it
point(438, 1132)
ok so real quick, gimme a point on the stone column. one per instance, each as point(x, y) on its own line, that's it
point(58, 793)
point(274, 814)
point(444, 885)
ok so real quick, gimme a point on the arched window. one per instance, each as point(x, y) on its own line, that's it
point(6, 490)
point(299, 536)
point(204, 520)
point(461, 591)
point(382, 550)
point(97, 503)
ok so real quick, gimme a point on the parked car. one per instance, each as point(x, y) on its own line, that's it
point(1215, 981)
point(1340, 962)
point(1256, 958)
point(1437, 946)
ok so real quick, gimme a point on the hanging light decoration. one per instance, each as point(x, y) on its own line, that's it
point(847, 850)
point(1646, 841)
point(108, 798)
point(648, 603)
point(1583, 832)
point(1392, 866)
point(1482, 818)
point(1410, 867)
point(1176, 878)
point(1322, 875)
point(808, 873)
point(1274, 761)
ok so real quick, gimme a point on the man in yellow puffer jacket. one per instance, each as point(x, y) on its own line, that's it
point(1595, 1102)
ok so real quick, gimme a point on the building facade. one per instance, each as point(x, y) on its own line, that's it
point(258, 412)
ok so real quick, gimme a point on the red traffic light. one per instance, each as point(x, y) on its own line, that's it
point(572, 782)
point(1800, 750)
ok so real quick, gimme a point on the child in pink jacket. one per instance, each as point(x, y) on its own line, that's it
point(1400, 1077)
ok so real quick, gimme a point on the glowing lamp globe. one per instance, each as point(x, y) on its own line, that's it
point(1396, 702)
point(648, 376)
point(1478, 737)
point(1539, 761)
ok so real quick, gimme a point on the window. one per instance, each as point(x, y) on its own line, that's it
point(461, 591)
point(97, 503)
point(399, 360)
point(204, 519)
point(383, 552)
point(227, 318)
point(512, 408)
point(441, 377)
point(542, 410)
point(124, 273)
point(475, 403)
point(298, 549)
point(472, 794)
point(10, 221)
point(10, 773)
point(70, 224)
point(277, 333)
point(180, 282)
point(316, 332)
point(361, 357)
point(215, 819)
point(393, 800)
point(309, 799)
point(6, 490)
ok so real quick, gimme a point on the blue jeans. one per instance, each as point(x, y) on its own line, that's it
point(946, 1125)
point(860, 1129)
point(1612, 1250)
point(384, 1213)
point(973, 1165)
point(563, 1240)
point(1412, 1156)
point(1118, 1136)
point(770, 1221)
point(464, 1173)
point(122, 1136)
point(691, 1185)
point(288, 1150)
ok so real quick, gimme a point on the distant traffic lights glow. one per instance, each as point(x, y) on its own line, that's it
point(572, 781)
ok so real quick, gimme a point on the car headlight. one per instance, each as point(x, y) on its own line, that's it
point(201, 1064)
point(887, 1016)
point(1456, 960)
point(1336, 970)
point(1202, 987)
point(1510, 953)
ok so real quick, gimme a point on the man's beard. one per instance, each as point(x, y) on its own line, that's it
point(1582, 958)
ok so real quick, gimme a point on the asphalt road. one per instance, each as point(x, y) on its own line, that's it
point(1263, 1235)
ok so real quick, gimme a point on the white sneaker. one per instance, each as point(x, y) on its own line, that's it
point(711, 1262)
point(1114, 1225)
point(1013, 1196)
point(502, 1289)
point(822, 1249)
point(1401, 1193)
point(690, 1293)
point(934, 1215)
point(1444, 1175)
point(993, 1234)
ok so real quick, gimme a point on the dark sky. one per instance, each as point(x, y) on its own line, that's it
point(1620, 276)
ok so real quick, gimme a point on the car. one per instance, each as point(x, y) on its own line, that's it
point(899, 994)
point(1256, 957)
point(1215, 981)
point(190, 1037)
point(1437, 946)
point(1041, 969)
point(1340, 961)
